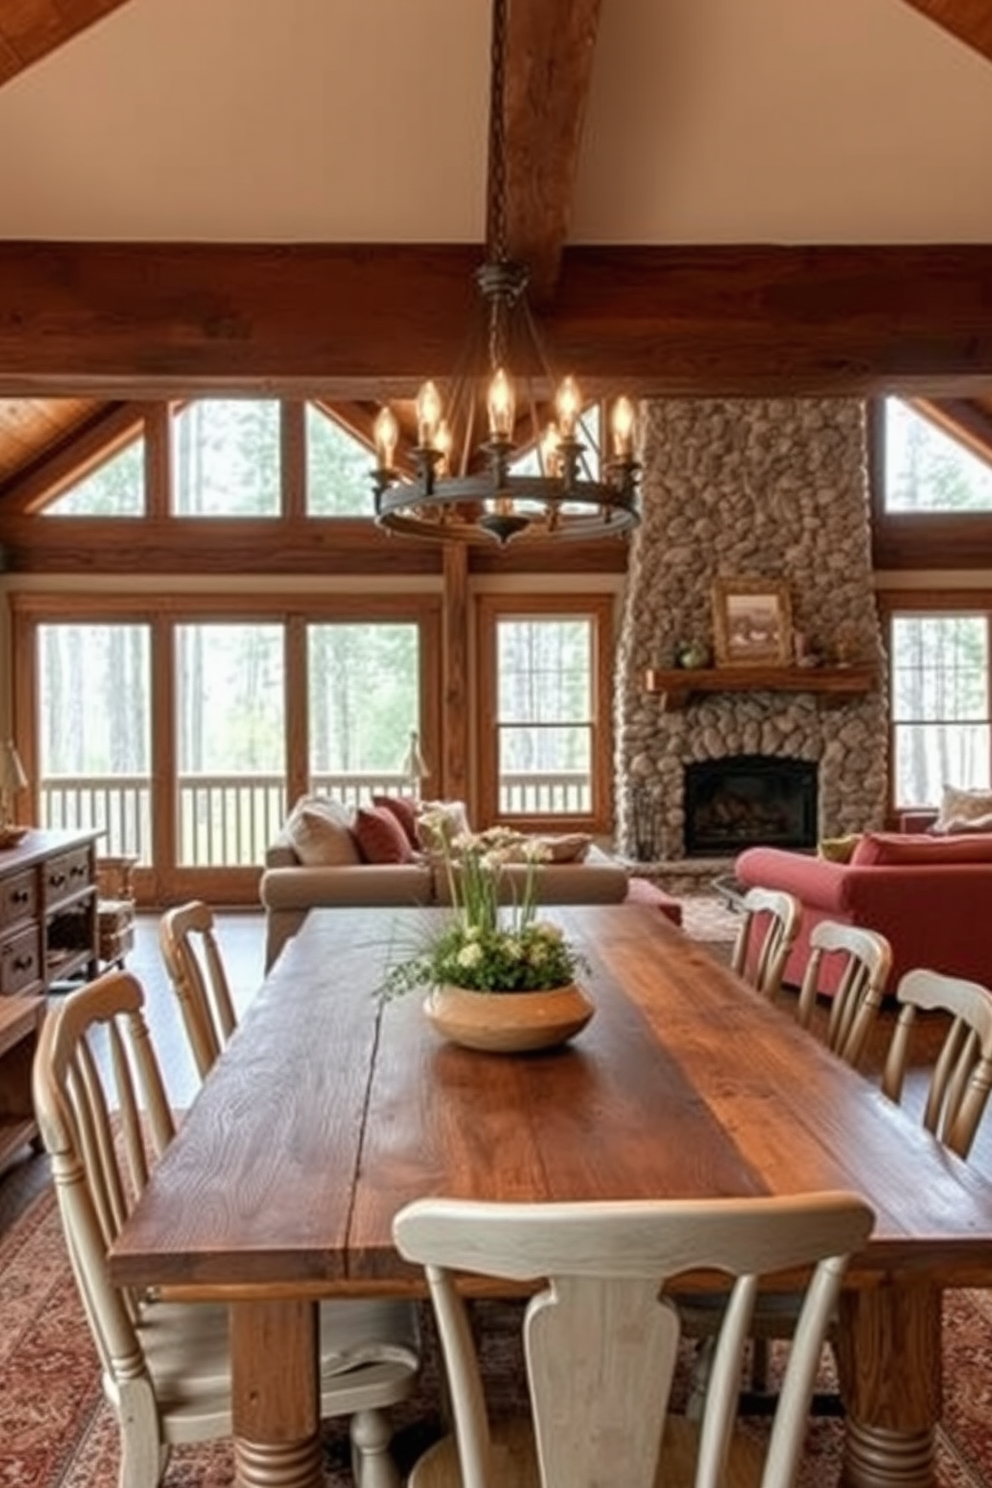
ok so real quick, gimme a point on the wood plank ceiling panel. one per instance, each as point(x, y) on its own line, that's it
point(30, 29)
point(31, 428)
point(969, 20)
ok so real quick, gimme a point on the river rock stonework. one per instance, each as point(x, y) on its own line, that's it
point(750, 488)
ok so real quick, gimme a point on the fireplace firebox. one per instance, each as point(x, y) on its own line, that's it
point(749, 800)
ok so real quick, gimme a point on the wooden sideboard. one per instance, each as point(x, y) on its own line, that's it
point(48, 933)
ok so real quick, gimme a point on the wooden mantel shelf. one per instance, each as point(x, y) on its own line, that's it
point(832, 684)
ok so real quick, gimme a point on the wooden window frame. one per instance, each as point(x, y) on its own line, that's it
point(600, 610)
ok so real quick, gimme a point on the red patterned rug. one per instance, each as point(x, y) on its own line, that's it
point(56, 1431)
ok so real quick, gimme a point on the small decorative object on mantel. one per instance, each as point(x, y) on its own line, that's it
point(846, 644)
point(752, 622)
point(693, 655)
point(12, 780)
point(497, 977)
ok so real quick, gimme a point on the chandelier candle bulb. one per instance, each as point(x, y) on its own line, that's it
point(386, 433)
point(623, 428)
point(428, 415)
point(569, 406)
point(501, 405)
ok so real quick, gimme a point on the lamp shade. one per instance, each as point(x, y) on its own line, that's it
point(12, 776)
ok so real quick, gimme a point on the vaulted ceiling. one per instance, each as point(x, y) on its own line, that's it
point(712, 195)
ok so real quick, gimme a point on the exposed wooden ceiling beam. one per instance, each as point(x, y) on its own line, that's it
point(969, 20)
point(30, 29)
point(549, 55)
point(133, 320)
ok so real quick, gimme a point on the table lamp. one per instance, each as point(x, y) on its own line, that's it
point(12, 780)
point(414, 766)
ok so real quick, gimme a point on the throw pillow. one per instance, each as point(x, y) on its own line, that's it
point(838, 849)
point(381, 839)
point(439, 822)
point(570, 847)
point(319, 831)
point(405, 809)
point(959, 806)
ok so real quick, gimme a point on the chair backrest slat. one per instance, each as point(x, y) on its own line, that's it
point(767, 934)
point(857, 998)
point(192, 957)
point(601, 1338)
point(961, 1078)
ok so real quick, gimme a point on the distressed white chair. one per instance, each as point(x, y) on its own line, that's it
point(192, 956)
point(166, 1367)
point(959, 1085)
point(769, 926)
point(601, 1343)
point(856, 997)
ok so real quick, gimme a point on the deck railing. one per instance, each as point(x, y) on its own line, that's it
point(229, 820)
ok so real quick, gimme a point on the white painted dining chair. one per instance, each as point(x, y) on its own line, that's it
point(861, 963)
point(188, 942)
point(769, 926)
point(104, 1121)
point(961, 1078)
point(602, 1334)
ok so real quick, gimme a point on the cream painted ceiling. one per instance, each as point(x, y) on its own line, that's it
point(709, 121)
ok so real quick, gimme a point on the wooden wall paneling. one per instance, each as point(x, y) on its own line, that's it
point(293, 450)
point(33, 428)
point(25, 721)
point(923, 540)
point(127, 319)
point(455, 682)
point(969, 20)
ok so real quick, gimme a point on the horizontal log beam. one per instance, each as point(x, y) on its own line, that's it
point(231, 546)
point(142, 320)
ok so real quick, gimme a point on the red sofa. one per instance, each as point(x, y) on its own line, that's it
point(931, 896)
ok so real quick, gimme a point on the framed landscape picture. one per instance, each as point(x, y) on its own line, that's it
point(752, 622)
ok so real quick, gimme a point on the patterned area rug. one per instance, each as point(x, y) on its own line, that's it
point(56, 1432)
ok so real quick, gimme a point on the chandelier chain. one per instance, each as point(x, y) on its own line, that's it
point(496, 204)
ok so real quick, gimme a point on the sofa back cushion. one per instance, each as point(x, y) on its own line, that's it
point(881, 848)
point(440, 822)
point(380, 837)
point(319, 830)
point(406, 810)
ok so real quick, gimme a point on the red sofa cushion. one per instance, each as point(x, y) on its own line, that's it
point(877, 848)
point(380, 837)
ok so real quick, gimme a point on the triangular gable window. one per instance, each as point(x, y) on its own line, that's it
point(226, 458)
point(115, 489)
point(339, 469)
point(927, 470)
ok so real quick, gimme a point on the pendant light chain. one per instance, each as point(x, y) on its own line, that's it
point(496, 204)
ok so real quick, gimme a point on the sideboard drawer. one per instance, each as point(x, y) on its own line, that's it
point(66, 875)
point(18, 898)
point(20, 961)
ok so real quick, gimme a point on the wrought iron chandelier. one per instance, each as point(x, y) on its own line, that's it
point(521, 481)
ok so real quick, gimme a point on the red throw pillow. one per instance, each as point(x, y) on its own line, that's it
point(405, 810)
point(890, 848)
point(380, 837)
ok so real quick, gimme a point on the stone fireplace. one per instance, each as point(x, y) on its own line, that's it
point(771, 489)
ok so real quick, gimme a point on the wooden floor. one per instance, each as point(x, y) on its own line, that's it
point(241, 938)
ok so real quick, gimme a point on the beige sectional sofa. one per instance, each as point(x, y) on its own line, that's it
point(290, 887)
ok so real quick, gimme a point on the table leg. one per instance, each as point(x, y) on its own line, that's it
point(276, 1405)
point(889, 1356)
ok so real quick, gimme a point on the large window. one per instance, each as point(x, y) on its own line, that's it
point(225, 458)
point(364, 683)
point(940, 704)
point(544, 669)
point(338, 469)
point(94, 742)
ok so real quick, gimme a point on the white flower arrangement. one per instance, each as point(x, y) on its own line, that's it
point(486, 946)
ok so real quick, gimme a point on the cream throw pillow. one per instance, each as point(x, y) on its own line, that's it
point(440, 822)
point(570, 847)
point(320, 832)
point(964, 811)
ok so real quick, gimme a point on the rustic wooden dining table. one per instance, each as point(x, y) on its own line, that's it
point(328, 1111)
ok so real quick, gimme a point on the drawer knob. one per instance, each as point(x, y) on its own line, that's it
point(57, 880)
point(20, 896)
point(23, 963)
